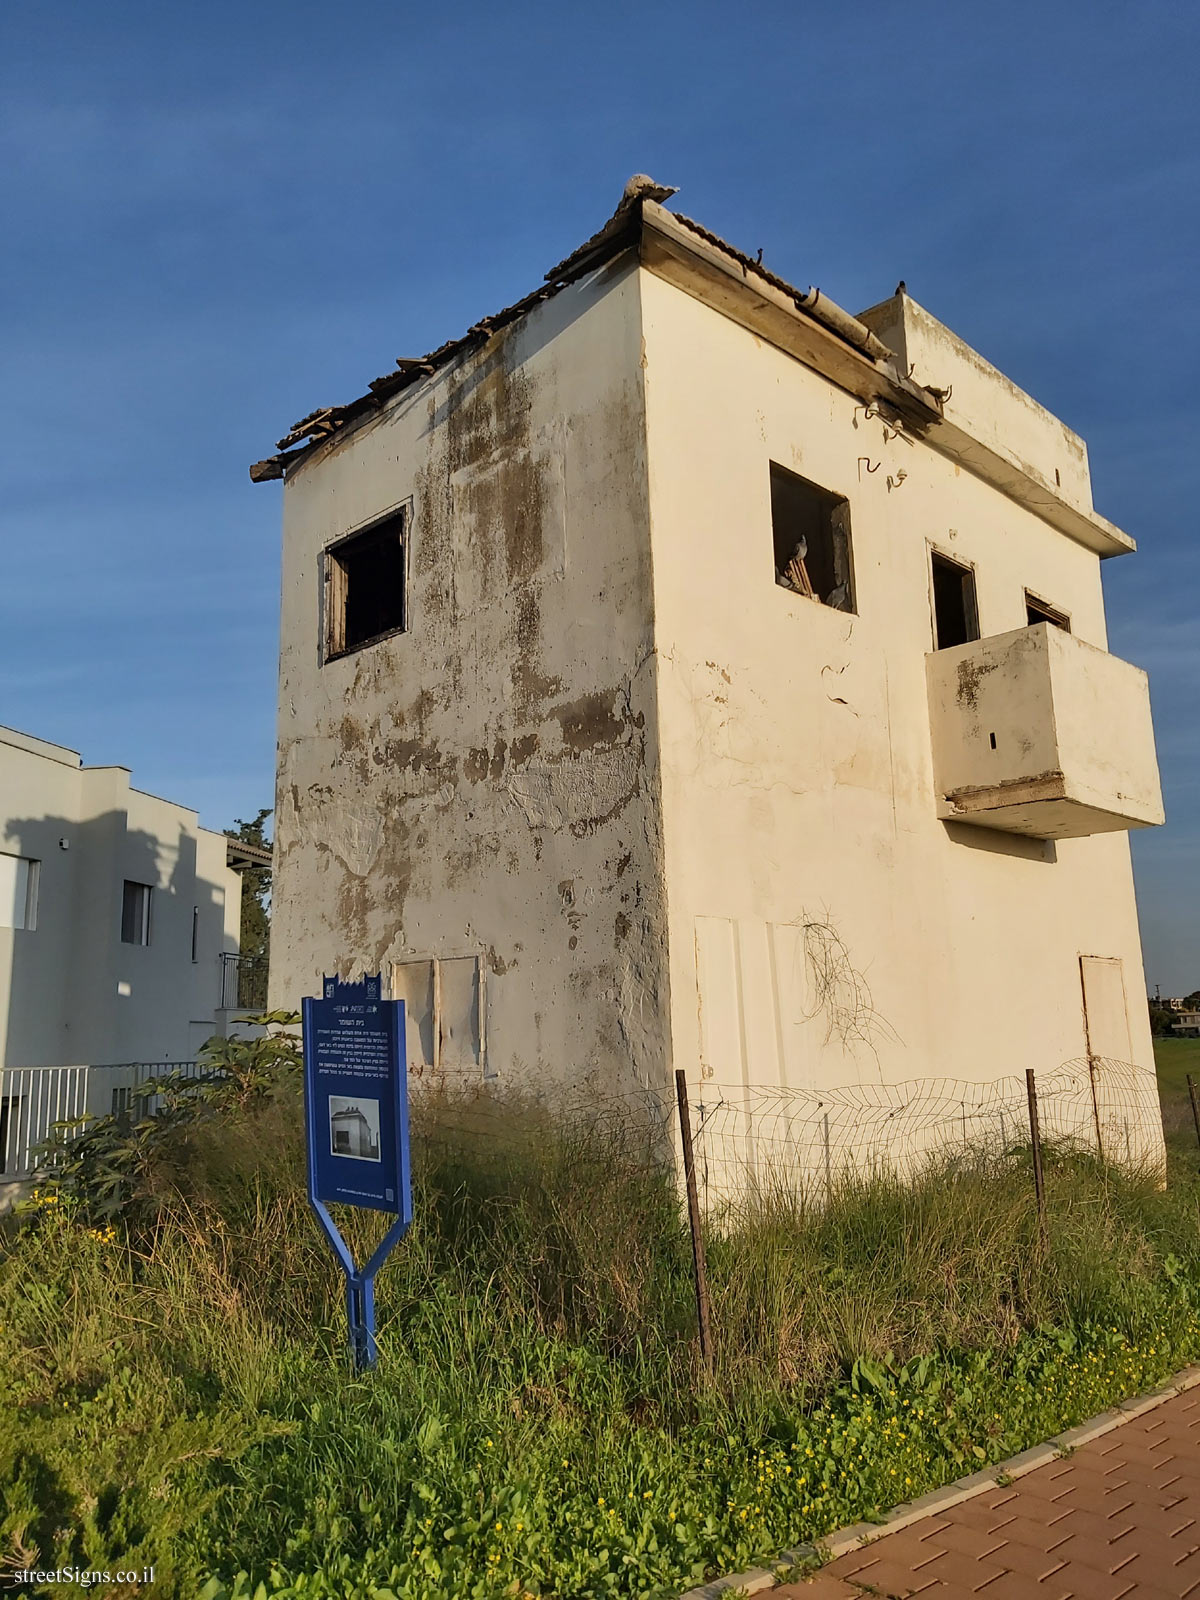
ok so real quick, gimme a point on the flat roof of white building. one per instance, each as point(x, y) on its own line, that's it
point(40, 747)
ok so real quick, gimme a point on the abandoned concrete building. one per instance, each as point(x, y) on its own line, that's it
point(678, 671)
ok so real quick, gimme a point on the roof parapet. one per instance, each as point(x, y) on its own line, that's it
point(994, 428)
point(640, 205)
point(868, 356)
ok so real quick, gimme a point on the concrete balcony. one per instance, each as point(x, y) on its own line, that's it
point(1035, 732)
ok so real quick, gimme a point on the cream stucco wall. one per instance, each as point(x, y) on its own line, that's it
point(796, 746)
point(617, 763)
point(485, 784)
point(71, 993)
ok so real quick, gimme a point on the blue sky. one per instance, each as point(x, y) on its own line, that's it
point(221, 216)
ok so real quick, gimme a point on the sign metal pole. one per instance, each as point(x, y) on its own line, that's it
point(356, 1126)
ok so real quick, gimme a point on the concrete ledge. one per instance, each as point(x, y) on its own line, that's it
point(1064, 1443)
point(759, 1579)
point(752, 1582)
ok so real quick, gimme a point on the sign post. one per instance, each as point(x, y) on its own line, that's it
point(356, 1120)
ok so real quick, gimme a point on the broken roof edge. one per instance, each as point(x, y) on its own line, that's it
point(805, 323)
point(617, 234)
point(640, 202)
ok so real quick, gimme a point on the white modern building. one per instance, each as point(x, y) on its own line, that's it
point(118, 914)
point(678, 671)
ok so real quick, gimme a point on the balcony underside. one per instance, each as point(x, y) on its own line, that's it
point(1039, 808)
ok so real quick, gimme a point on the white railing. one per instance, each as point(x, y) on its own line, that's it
point(32, 1101)
point(35, 1100)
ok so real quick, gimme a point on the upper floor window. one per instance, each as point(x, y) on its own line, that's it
point(955, 614)
point(366, 584)
point(18, 892)
point(1038, 611)
point(811, 532)
point(135, 913)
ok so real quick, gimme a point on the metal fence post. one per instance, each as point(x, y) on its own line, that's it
point(698, 1262)
point(1036, 1140)
point(1195, 1108)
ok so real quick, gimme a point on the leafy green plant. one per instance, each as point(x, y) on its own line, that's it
point(177, 1383)
point(239, 1070)
point(108, 1164)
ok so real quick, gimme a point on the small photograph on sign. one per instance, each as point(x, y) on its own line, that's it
point(354, 1128)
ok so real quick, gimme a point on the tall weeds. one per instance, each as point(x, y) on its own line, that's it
point(179, 1394)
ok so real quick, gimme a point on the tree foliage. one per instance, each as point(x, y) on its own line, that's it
point(1161, 1021)
point(256, 891)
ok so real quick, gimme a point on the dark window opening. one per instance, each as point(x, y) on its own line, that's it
point(1038, 611)
point(135, 913)
point(955, 619)
point(811, 532)
point(195, 932)
point(366, 596)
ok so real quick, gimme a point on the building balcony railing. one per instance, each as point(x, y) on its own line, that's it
point(243, 983)
point(1036, 732)
point(39, 1103)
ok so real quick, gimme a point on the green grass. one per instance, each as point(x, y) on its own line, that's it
point(176, 1393)
point(1173, 1060)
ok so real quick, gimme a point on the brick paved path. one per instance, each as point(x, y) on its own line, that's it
point(1120, 1517)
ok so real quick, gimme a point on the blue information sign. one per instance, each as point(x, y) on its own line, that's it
point(356, 1117)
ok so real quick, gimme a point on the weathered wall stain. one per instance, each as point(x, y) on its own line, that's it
point(444, 785)
point(971, 674)
point(590, 722)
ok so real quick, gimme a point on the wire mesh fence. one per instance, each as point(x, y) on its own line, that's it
point(744, 1135)
point(811, 1136)
point(806, 1138)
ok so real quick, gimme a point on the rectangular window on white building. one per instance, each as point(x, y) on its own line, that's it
point(135, 913)
point(810, 529)
point(18, 892)
point(1040, 611)
point(955, 612)
point(366, 579)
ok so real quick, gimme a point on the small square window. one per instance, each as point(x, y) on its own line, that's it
point(135, 913)
point(811, 533)
point(1038, 611)
point(955, 615)
point(366, 584)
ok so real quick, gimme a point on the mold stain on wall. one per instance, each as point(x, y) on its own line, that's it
point(483, 744)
